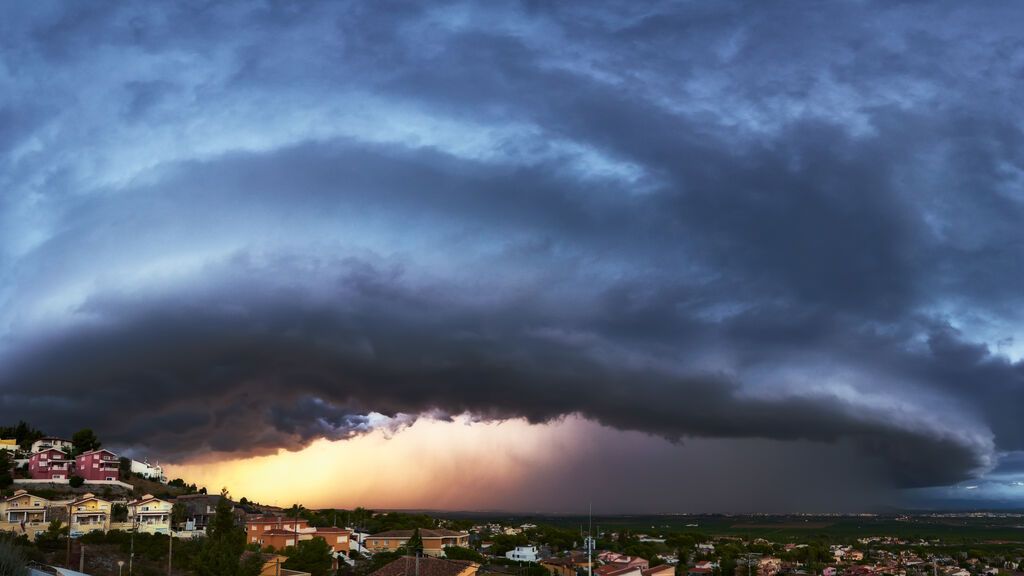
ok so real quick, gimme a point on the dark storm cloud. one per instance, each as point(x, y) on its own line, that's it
point(684, 220)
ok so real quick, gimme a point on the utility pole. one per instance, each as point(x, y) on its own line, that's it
point(590, 539)
point(81, 560)
point(131, 555)
point(68, 560)
point(170, 550)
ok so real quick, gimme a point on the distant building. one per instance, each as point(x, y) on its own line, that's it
point(523, 554)
point(618, 570)
point(89, 514)
point(9, 444)
point(151, 515)
point(50, 464)
point(560, 566)
point(662, 570)
point(51, 442)
point(434, 540)
point(149, 471)
point(99, 464)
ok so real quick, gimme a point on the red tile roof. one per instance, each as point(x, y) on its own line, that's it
point(428, 566)
point(424, 533)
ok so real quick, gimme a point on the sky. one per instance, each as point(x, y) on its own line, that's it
point(665, 257)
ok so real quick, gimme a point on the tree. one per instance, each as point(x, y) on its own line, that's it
point(119, 512)
point(85, 440)
point(728, 566)
point(179, 513)
point(52, 538)
point(415, 543)
point(23, 434)
point(221, 554)
point(76, 481)
point(460, 553)
point(313, 556)
point(5, 470)
point(12, 562)
point(683, 557)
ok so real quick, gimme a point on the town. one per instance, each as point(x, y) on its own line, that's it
point(70, 504)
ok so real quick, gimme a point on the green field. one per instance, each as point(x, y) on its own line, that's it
point(792, 527)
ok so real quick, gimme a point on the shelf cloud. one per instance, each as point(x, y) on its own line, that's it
point(682, 220)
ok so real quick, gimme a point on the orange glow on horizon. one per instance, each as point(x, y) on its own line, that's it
point(431, 464)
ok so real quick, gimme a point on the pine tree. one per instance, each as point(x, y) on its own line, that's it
point(221, 554)
point(415, 543)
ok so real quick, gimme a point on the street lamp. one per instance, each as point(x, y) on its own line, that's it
point(120, 564)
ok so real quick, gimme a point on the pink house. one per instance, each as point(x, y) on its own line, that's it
point(98, 465)
point(50, 464)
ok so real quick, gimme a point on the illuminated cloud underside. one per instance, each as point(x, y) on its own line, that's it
point(682, 222)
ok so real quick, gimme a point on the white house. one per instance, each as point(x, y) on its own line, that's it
point(150, 471)
point(705, 548)
point(50, 442)
point(523, 554)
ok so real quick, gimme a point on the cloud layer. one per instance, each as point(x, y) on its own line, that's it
point(233, 228)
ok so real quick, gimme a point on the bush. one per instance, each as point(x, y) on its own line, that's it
point(76, 481)
point(12, 561)
point(460, 553)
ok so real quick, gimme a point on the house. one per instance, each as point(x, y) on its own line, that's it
point(616, 570)
point(99, 464)
point(662, 570)
point(560, 566)
point(622, 560)
point(50, 442)
point(427, 566)
point(277, 539)
point(150, 515)
point(769, 566)
point(89, 514)
point(199, 508)
point(434, 540)
point(24, 513)
point(272, 565)
point(276, 531)
point(523, 554)
point(50, 464)
point(336, 538)
point(149, 471)
point(705, 548)
point(9, 444)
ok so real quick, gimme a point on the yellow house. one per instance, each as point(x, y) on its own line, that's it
point(10, 444)
point(24, 513)
point(434, 540)
point(150, 514)
point(273, 565)
point(89, 514)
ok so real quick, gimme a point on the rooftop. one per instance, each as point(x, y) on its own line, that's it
point(427, 566)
